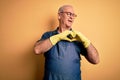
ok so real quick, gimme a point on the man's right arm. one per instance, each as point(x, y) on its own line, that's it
point(42, 46)
point(46, 44)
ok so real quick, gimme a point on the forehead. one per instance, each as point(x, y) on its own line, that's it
point(68, 9)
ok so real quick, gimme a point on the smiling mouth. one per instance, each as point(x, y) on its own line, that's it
point(70, 21)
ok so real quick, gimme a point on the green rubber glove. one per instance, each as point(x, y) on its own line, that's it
point(62, 36)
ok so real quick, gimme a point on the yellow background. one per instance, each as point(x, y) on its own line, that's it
point(22, 22)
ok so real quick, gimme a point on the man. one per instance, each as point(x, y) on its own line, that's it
point(62, 48)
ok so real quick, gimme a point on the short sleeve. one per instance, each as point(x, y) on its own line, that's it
point(45, 36)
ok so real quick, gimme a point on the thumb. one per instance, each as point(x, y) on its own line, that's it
point(71, 35)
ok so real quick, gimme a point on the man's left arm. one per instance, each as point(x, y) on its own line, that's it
point(92, 54)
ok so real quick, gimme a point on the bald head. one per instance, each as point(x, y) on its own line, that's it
point(61, 9)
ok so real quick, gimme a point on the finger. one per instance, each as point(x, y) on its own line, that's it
point(74, 39)
point(67, 39)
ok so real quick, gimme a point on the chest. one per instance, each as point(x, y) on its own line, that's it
point(64, 50)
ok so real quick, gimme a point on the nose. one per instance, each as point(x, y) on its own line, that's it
point(72, 17)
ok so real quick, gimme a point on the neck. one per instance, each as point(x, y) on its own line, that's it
point(63, 28)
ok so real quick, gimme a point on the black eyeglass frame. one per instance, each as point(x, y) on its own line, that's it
point(70, 14)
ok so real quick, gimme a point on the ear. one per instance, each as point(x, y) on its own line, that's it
point(58, 16)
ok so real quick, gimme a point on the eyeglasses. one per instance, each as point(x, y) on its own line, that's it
point(69, 14)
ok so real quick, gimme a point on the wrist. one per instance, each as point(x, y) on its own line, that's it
point(86, 43)
point(54, 39)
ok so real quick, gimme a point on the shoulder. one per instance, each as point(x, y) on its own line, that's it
point(48, 34)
